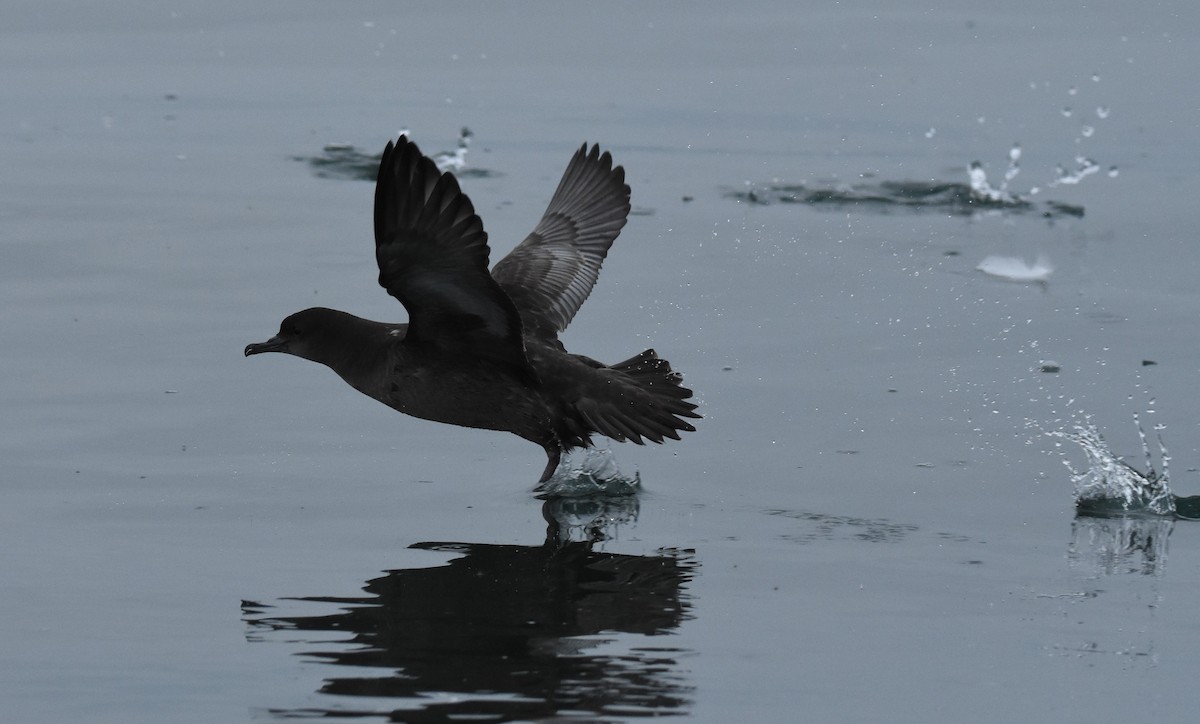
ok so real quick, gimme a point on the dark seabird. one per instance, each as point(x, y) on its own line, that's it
point(481, 349)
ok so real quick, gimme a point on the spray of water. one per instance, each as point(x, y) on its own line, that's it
point(1110, 485)
point(589, 472)
point(984, 191)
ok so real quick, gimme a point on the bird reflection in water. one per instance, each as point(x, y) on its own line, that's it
point(1107, 545)
point(507, 632)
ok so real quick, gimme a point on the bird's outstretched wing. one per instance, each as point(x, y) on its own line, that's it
point(433, 257)
point(550, 274)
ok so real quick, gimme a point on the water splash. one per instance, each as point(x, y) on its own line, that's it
point(592, 472)
point(943, 197)
point(455, 160)
point(984, 191)
point(980, 186)
point(1084, 167)
point(976, 196)
point(345, 161)
point(1014, 163)
point(1109, 485)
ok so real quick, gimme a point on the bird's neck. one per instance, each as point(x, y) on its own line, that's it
point(358, 350)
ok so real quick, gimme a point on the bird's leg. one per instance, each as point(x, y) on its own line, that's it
point(555, 455)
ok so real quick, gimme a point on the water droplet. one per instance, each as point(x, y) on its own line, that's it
point(1066, 111)
point(1072, 90)
point(1102, 112)
point(1112, 171)
point(1087, 131)
point(930, 133)
point(1095, 77)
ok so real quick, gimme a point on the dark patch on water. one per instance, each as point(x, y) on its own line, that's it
point(343, 161)
point(828, 527)
point(346, 162)
point(956, 199)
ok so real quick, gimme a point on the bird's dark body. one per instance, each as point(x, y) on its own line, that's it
point(481, 349)
point(421, 381)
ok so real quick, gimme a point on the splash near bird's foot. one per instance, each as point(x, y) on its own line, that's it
point(591, 472)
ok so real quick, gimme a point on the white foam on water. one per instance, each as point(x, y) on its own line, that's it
point(1017, 269)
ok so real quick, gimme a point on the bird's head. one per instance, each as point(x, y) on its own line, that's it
point(310, 334)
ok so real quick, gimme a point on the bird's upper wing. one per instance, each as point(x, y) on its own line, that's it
point(550, 273)
point(433, 256)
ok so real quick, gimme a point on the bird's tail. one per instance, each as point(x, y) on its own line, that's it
point(652, 407)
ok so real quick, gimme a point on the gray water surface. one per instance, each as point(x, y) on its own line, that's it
point(864, 527)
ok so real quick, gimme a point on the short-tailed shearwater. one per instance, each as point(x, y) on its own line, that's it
point(481, 349)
